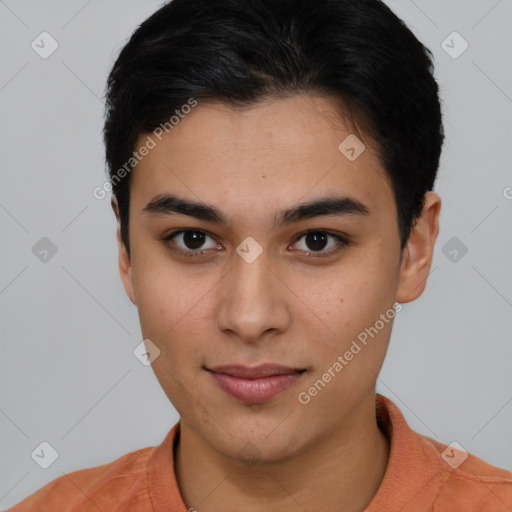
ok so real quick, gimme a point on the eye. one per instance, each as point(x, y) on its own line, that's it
point(190, 242)
point(323, 243)
point(196, 242)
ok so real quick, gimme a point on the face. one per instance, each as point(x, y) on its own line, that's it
point(257, 279)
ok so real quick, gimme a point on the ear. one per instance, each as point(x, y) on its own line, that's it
point(125, 265)
point(417, 254)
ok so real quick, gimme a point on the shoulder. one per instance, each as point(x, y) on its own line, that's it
point(467, 482)
point(425, 474)
point(87, 488)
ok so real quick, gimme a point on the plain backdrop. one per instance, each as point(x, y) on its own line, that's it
point(68, 374)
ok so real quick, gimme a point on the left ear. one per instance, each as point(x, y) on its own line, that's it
point(417, 254)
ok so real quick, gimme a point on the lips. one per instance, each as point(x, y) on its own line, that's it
point(257, 384)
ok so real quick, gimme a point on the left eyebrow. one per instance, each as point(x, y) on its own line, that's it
point(168, 204)
point(324, 206)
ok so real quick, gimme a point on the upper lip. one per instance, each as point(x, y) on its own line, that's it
point(255, 372)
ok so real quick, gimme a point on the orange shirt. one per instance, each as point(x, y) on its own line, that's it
point(422, 475)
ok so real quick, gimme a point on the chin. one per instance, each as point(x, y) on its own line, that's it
point(257, 441)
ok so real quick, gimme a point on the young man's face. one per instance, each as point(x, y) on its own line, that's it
point(299, 304)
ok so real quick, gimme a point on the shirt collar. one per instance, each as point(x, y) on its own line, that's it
point(411, 477)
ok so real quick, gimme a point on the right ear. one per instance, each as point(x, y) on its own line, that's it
point(125, 264)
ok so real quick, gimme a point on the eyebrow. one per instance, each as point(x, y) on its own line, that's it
point(168, 204)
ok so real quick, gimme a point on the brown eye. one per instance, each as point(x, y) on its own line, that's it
point(190, 242)
point(317, 241)
point(321, 242)
point(193, 239)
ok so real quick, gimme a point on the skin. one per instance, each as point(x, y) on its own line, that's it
point(288, 306)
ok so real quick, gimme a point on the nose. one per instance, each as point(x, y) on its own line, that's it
point(253, 301)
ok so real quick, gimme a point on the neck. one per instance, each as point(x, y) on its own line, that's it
point(341, 471)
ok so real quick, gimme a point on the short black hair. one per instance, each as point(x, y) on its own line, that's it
point(239, 52)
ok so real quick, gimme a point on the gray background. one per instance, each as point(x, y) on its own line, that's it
point(68, 373)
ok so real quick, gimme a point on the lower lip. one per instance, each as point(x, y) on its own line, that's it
point(255, 390)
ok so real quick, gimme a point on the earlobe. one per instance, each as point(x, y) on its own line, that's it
point(124, 261)
point(418, 253)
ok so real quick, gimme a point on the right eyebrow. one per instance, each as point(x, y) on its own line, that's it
point(168, 204)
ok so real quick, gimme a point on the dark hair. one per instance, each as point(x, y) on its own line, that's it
point(243, 51)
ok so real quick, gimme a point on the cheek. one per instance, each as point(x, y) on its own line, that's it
point(348, 362)
point(350, 307)
point(160, 289)
point(172, 306)
point(351, 296)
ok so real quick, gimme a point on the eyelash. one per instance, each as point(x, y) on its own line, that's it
point(342, 242)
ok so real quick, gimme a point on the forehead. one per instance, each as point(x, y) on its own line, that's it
point(270, 152)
